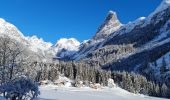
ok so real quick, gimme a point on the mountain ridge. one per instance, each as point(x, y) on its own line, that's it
point(134, 46)
point(38, 45)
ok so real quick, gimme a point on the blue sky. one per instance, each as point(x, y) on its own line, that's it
point(54, 19)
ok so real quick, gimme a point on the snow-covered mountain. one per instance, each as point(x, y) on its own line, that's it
point(38, 44)
point(11, 31)
point(110, 25)
point(34, 45)
point(132, 46)
point(164, 5)
point(66, 47)
point(128, 33)
point(68, 44)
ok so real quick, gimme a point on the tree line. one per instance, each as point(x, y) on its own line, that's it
point(81, 71)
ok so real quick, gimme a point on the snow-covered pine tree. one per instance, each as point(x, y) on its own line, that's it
point(164, 90)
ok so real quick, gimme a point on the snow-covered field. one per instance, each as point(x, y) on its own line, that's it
point(51, 92)
point(1, 98)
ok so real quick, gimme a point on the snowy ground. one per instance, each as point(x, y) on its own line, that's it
point(1, 98)
point(51, 92)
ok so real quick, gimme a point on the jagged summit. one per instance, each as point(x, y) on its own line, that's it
point(111, 15)
point(110, 25)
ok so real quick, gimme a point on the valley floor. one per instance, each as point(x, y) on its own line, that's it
point(51, 92)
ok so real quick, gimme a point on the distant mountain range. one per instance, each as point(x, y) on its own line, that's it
point(64, 47)
point(141, 46)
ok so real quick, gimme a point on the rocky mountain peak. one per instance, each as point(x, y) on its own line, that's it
point(111, 16)
point(66, 47)
point(110, 25)
point(68, 44)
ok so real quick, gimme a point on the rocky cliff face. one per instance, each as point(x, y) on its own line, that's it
point(110, 25)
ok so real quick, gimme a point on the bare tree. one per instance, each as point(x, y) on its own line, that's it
point(11, 59)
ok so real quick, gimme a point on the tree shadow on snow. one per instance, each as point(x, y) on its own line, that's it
point(45, 99)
